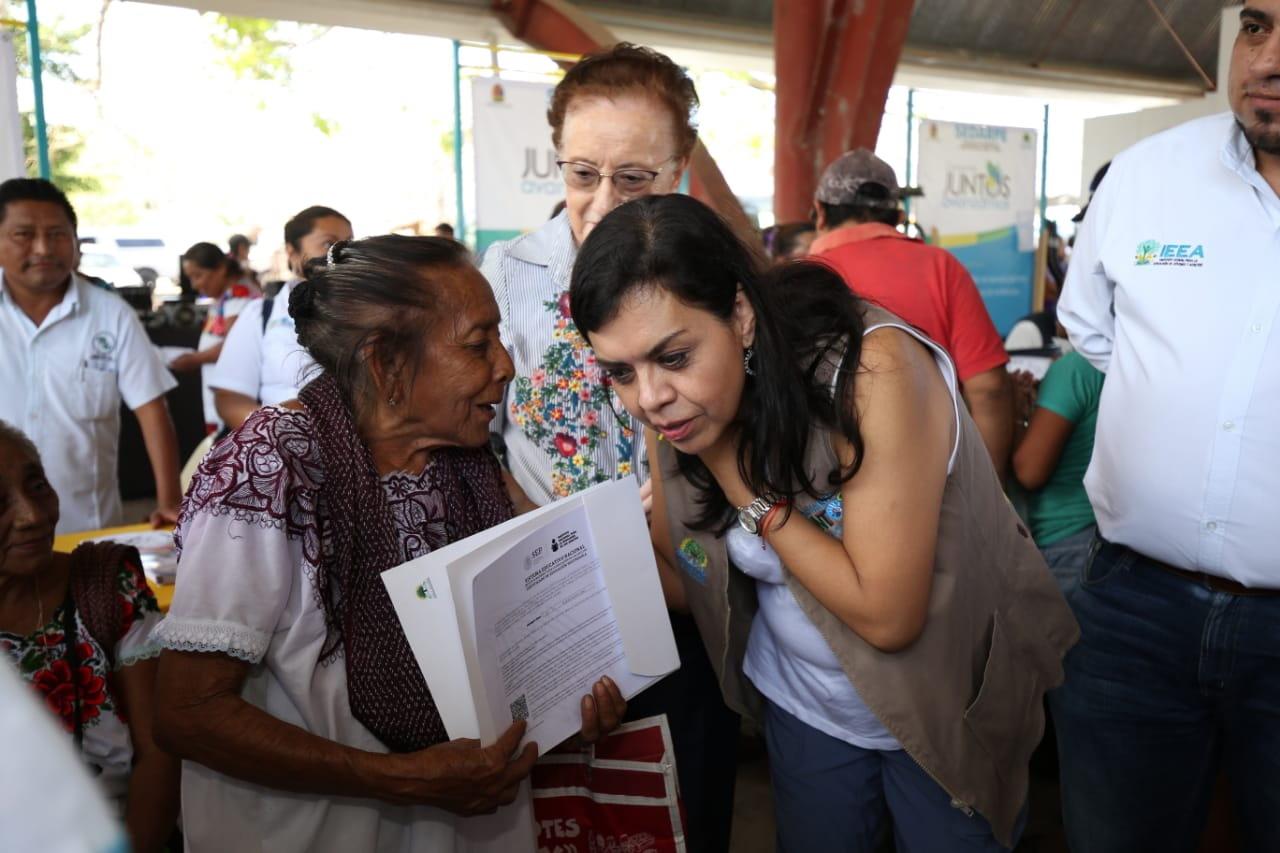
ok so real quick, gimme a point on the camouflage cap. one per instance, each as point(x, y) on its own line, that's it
point(852, 170)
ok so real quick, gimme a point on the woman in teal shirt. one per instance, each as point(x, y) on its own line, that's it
point(1050, 463)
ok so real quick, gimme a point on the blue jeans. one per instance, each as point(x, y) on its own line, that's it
point(830, 796)
point(1066, 558)
point(1170, 682)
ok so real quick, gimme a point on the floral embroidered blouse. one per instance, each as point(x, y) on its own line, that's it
point(561, 426)
point(41, 658)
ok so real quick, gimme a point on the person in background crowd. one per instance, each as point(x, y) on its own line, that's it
point(621, 123)
point(856, 208)
point(1172, 292)
point(238, 250)
point(220, 278)
point(444, 229)
point(78, 628)
point(1050, 461)
point(261, 363)
point(1094, 183)
point(837, 522)
point(69, 354)
point(789, 240)
point(286, 677)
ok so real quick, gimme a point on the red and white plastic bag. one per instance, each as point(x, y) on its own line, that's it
point(619, 796)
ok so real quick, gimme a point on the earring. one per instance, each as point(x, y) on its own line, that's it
point(746, 360)
point(392, 401)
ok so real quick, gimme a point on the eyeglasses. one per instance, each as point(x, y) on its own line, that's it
point(628, 182)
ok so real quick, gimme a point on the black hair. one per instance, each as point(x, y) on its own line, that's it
point(1093, 188)
point(35, 189)
point(781, 240)
point(804, 315)
point(15, 436)
point(871, 203)
point(446, 228)
point(375, 301)
point(207, 256)
point(304, 222)
point(238, 241)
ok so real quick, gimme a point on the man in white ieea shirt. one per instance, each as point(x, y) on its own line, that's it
point(70, 352)
point(1174, 292)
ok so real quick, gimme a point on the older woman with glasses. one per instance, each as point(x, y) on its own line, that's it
point(621, 122)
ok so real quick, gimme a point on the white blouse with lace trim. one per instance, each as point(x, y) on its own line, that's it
point(246, 589)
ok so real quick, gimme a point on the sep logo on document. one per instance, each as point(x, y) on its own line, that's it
point(426, 591)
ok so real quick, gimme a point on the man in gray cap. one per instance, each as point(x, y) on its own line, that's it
point(856, 209)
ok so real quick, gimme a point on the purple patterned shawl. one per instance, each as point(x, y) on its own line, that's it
point(387, 692)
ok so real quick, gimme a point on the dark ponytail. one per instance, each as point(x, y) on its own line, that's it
point(805, 316)
point(208, 256)
point(304, 222)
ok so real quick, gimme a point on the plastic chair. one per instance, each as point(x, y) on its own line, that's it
point(194, 460)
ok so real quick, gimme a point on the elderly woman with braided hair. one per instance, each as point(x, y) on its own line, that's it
point(286, 682)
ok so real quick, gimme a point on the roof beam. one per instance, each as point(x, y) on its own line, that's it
point(835, 62)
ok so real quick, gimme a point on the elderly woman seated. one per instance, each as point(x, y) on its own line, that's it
point(286, 682)
point(78, 627)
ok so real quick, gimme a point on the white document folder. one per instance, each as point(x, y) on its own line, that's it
point(432, 596)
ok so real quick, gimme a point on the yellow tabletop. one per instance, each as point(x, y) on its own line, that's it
point(67, 542)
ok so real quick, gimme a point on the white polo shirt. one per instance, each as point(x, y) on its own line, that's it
point(1174, 292)
point(62, 385)
point(269, 366)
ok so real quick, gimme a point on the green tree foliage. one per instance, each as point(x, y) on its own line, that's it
point(59, 46)
point(253, 48)
point(259, 49)
point(65, 148)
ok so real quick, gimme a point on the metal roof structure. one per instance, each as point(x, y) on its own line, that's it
point(1125, 37)
point(1102, 45)
point(1122, 37)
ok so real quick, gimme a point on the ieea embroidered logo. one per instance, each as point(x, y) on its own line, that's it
point(1153, 253)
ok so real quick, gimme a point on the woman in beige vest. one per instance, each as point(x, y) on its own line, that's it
point(840, 536)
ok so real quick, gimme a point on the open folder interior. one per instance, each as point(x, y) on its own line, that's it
point(517, 622)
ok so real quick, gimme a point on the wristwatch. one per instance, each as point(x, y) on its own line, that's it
point(751, 515)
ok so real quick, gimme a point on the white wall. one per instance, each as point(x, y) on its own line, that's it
point(12, 162)
point(1106, 137)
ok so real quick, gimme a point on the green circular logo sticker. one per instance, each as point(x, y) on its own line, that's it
point(104, 343)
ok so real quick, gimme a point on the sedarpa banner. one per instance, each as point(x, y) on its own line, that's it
point(979, 184)
point(517, 181)
point(12, 163)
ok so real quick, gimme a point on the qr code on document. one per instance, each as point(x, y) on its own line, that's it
point(520, 708)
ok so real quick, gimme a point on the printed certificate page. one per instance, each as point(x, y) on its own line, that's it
point(545, 630)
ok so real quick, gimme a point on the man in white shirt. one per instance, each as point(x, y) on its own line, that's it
point(70, 352)
point(1174, 292)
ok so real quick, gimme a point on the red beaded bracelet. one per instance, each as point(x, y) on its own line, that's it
point(768, 516)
